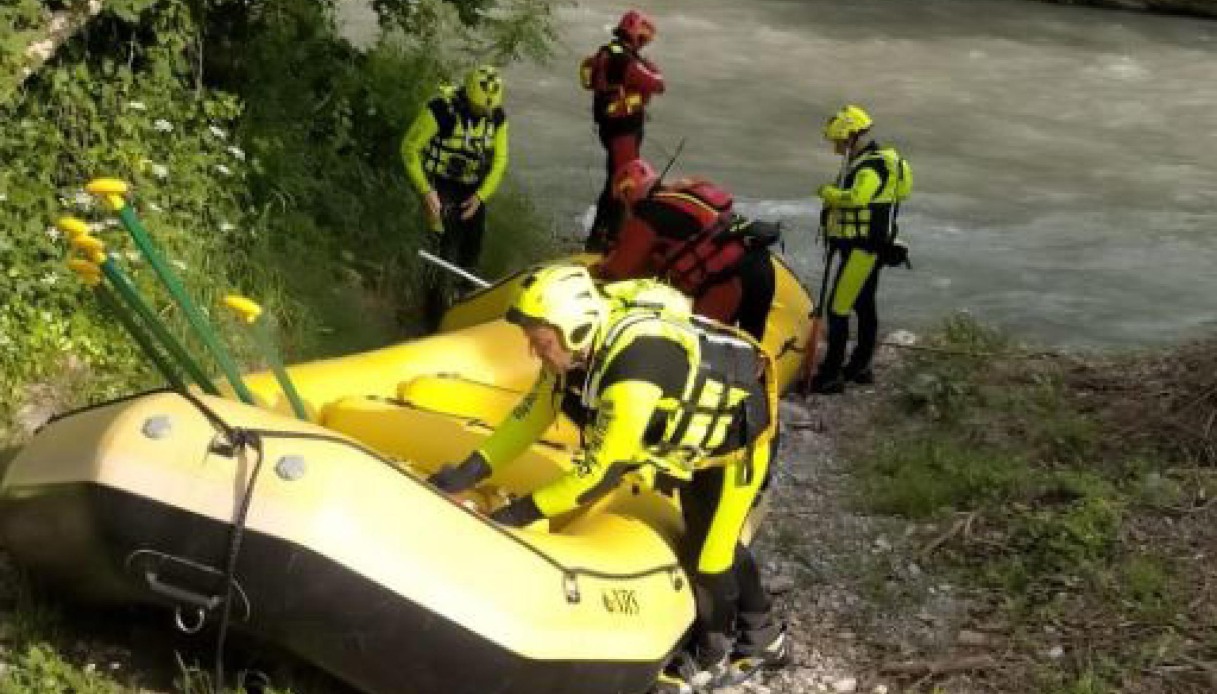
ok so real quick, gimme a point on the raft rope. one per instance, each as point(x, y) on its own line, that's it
point(241, 439)
point(792, 345)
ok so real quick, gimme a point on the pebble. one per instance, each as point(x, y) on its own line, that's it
point(780, 584)
point(967, 637)
point(845, 685)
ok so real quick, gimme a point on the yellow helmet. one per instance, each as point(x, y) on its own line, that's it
point(847, 122)
point(484, 88)
point(565, 298)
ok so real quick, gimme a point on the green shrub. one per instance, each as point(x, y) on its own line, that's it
point(263, 151)
point(919, 477)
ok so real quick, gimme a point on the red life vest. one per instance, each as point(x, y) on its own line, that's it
point(614, 98)
point(704, 244)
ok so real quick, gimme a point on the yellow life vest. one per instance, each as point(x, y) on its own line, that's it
point(724, 393)
point(873, 222)
point(463, 149)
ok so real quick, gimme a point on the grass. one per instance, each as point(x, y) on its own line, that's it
point(1088, 518)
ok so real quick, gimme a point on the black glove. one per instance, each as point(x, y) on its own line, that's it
point(518, 513)
point(454, 479)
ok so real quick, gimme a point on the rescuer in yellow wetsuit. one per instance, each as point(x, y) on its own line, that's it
point(860, 226)
point(455, 153)
point(652, 386)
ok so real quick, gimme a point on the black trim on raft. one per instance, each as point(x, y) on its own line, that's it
point(303, 601)
point(105, 403)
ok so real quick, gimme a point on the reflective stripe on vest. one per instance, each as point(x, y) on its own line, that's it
point(872, 221)
point(720, 368)
point(462, 151)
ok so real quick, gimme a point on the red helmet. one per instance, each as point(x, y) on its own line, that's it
point(636, 28)
point(634, 180)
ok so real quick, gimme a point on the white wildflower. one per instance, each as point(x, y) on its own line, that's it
point(224, 170)
point(227, 226)
point(3, 197)
point(136, 106)
point(109, 223)
point(154, 207)
point(162, 126)
point(217, 131)
point(82, 199)
point(133, 256)
point(237, 152)
point(179, 265)
point(50, 279)
point(160, 171)
point(53, 233)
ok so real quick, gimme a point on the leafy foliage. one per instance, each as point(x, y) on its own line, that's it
point(198, 105)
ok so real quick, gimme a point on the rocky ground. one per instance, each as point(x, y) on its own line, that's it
point(862, 611)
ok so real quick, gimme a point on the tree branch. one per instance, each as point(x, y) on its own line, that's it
point(62, 26)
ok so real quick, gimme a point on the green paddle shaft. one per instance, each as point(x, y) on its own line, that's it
point(130, 295)
point(265, 343)
point(195, 317)
point(112, 306)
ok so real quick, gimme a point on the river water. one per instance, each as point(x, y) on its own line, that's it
point(1065, 158)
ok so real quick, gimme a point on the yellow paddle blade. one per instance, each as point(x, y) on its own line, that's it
point(111, 190)
point(72, 226)
point(88, 271)
point(107, 186)
point(243, 307)
point(89, 245)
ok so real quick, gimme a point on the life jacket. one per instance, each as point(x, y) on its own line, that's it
point(727, 398)
point(873, 225)
point(463, 149)
point(604, 72)
point(704, 243)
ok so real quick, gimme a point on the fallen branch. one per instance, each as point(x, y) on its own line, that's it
point(63, 25)
point(919, 668)
point(963, 525)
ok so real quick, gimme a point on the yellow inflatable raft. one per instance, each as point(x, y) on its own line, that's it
point(337, 550)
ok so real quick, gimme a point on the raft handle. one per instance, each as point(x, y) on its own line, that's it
point(200, 617)
point(678, 582)
point(571, 583)
point(181, 595)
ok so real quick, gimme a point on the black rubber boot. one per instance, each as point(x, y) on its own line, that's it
point(827, 384)
point(765, 648)
point(862, 376)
